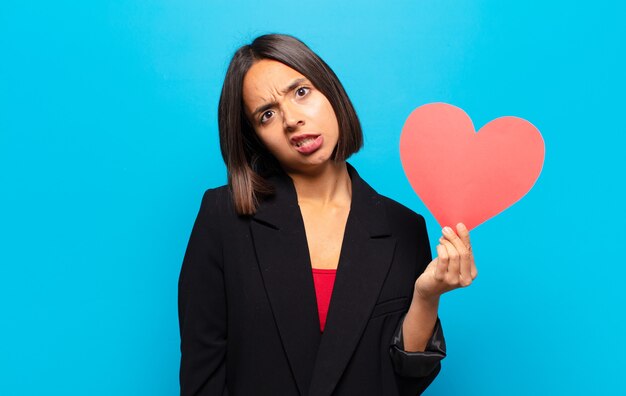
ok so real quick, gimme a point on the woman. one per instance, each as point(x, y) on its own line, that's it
point(295, 225)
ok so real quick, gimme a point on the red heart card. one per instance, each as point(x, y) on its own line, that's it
point(467, 176)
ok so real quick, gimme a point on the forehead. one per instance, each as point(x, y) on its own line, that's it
point(265, 80)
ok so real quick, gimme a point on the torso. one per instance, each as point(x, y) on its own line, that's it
point(324, 232)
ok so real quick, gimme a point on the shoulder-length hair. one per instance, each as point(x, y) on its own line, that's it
point(247, 160)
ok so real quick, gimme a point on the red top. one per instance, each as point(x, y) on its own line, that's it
point(324, 279)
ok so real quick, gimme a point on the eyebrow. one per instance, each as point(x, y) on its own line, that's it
point(291, 86)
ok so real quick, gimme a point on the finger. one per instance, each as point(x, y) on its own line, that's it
point(474, 271)
point(451, 236)
point(442, 263)
point(465, 255)
point(463, 234)
point(453, 273)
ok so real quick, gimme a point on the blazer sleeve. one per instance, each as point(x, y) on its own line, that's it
point(202, 307)
point(423, 365)
point(418, 364)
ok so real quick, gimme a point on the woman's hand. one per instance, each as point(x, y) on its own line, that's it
point(453, 267)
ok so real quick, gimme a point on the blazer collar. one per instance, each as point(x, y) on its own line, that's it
point(317, 361)
point(277, 210)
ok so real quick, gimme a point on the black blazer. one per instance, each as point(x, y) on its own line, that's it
point(247, 307)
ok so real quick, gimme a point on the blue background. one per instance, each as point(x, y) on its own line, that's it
point(108, 138)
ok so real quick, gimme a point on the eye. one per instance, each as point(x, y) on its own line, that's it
point(266, 115)
point(302, 91)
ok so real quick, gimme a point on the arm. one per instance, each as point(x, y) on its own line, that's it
point(418, 344)
point(202, 307)
point(419, 323)
point(453, 268)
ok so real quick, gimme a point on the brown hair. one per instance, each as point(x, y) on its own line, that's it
point(248, 162)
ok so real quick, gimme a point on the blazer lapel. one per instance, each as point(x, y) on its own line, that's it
point(366, 255)
point(279, 238)
point(283, 257)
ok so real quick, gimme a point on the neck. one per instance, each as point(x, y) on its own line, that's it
point(330, 184)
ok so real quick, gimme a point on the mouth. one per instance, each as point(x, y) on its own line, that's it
point(303, 140)
point(307, 143)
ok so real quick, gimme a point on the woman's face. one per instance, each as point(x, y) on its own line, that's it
point(294, 120)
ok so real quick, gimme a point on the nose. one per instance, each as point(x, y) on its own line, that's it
point(292, 118)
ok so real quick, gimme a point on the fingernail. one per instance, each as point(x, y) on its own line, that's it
point(462, 226)
point(447, 230)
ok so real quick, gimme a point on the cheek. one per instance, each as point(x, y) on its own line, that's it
point(331, 119)
point(323, 111)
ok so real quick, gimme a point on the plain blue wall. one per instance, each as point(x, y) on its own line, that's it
point(108, 137)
